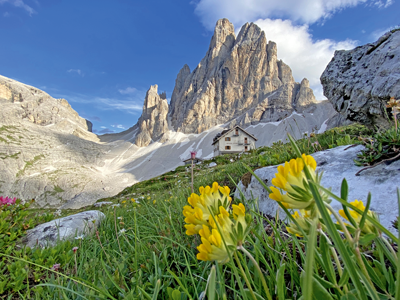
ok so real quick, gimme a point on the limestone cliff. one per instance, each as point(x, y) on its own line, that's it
point(237, 74)
point(23, 102)
point(153, 122)
point(48, 153)
point(360, 82)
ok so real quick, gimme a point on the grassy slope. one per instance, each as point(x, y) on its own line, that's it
point(143, 241)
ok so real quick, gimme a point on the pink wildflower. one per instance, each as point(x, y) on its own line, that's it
point(7, 200)
point(74, 249)
point(55, 267)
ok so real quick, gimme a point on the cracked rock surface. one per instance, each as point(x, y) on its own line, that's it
point(360, 82)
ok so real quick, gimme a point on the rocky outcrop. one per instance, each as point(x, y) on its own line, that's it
point(19, 101)
point(153, 122)
point(360, 82)
point(382, 181)
point(238, 75)
point(67, 228)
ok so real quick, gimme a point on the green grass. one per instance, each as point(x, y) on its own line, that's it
point(29, 164)
point(141, 250)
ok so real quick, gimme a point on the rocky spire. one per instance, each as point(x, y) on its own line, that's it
point(153, 122)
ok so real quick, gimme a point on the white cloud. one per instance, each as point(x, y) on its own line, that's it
point(129, 106)
point(119, 126)
point(127, 91)
point(132, 106)
point(6, 14)
point(77, 71)
point(20, 4)
point(382, 4)
point(306, 58)
point(240, 12)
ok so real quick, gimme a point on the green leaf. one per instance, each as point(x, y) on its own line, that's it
point(176, 295)
point(326, 258)
point(169, 292)
point(344, 190)
point(367, 238)
point(307, 285)
point(365, 213)
point(323, 282)
point(348, 296)
point(211, 284)
point(372, 274)
point(156, 289)
point(318, 291)
point(280, 282)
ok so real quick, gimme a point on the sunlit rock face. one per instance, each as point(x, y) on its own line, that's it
point(360, 82)
point(236, 75)
point(153, 122)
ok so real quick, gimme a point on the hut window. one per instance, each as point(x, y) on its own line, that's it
point(227, 139)
point(227, 147)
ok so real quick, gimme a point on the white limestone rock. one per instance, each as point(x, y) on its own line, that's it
point(382, 181)
point(67, 228)
point(360, 82)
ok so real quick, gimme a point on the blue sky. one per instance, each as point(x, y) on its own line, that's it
point(103, 55)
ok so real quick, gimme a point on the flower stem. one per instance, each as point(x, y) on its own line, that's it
point(264, 283)
point(76, 265)
point(244, 275)
point(385, 241)
point(337, 217)
point(192, 177)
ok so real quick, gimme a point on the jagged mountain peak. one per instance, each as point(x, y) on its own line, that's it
point(237, 74)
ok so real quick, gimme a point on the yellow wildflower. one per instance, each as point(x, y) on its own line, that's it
point(133, 200)
point(368, 226)
point(210, 199)
point(154, 201)
point(292, 179)
point(212, 247)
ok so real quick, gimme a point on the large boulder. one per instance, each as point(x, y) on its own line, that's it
point(67, 228)
point(360, 82)
point(382, 181)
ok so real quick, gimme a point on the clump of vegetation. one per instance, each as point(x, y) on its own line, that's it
point(384, 145)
